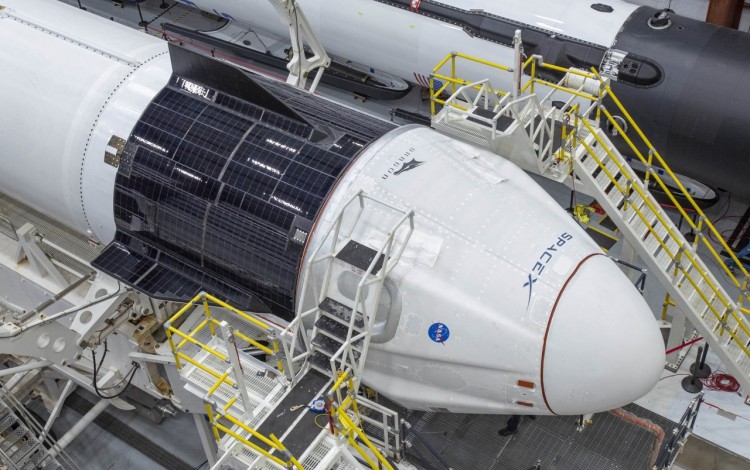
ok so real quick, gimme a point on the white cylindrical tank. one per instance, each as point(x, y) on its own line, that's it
point(72, 112)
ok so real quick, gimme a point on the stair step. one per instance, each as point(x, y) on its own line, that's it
point(335, 329)
point(36, 459)
point(9, 441)
point(360, 256)
point(330, 345)
point(341, 312)
point(503, 122)
point(321, 362)
point(7, 421)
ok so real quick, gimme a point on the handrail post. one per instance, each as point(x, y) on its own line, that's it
point(207, 311)
point(518, 65)
point(227, 333)
point(453, 72)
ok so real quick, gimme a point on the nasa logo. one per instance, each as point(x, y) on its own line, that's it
point(543, 261)
point(410, 165)
point(439, 333)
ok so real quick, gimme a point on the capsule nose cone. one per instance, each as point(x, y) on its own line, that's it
point(603, 348)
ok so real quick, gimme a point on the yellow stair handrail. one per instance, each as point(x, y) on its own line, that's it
point(532, 65)
point(721, 316)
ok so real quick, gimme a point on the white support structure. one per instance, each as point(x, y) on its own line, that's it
point(39, 261)
point(343, 328)
point(301, 32)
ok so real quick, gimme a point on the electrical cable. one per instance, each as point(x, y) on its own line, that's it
point(673, 375)
point(722, 382)
point(318, 424)
point(201, 464)
point(129, 376)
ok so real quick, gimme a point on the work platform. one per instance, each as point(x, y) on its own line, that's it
point(546, 435)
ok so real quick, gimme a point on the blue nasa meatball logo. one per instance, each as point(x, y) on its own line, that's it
point(439, 333)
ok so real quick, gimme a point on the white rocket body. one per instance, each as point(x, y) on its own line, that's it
point(501, 302)
point(410, 45)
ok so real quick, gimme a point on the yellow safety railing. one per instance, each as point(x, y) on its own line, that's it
point(651, 159)
point(740, 332)
point(452, 80)
point(206, 300)
point(221, 418)
point(338, 410)
point(215, 418)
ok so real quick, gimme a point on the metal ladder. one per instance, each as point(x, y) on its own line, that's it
point(343, 327)
point(20, 449)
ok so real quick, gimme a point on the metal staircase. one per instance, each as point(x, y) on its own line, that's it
point(248, 401)
point(20, 449)
point(343, 325)
point(559, 136)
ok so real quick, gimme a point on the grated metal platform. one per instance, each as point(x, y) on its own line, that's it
point(471, 441)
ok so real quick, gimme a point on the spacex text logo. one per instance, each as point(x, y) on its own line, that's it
point(408, 165)
point(543, 261)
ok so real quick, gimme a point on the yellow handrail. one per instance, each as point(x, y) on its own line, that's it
point(238, 312)
point(679, 184)
point(198, 343)
point(721, 316)
point(351, 426)
point(205, 369)
point(249, 444)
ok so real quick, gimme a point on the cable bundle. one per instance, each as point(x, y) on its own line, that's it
point(722, 382)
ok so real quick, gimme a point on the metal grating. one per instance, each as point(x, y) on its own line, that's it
point(471, 441)
point(317, 453)
point(219, 193)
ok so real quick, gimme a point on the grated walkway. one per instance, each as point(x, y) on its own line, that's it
point(471, 441)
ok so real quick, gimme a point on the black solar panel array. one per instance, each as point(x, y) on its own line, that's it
point(217, 193)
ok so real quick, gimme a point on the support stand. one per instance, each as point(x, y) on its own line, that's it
point(143, 23)
point(693, 384)
point(699, 368)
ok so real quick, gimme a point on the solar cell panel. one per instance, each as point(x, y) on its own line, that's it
point(217, 190)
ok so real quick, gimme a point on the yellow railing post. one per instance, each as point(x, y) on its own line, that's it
point(453, 74)
point(212, 421)
point(433, 95)
point(172, 346)
point(207, 311)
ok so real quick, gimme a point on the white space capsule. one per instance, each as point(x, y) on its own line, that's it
point(500, 304)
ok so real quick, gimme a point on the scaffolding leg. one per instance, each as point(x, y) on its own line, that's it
point(77, 428)
point(69, 387)
point(207, 440)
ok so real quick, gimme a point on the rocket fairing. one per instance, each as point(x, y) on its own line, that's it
point(681, 79)
point(199, 176)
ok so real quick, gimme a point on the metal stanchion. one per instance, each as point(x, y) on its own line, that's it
point(699, 368)
point(692, 383)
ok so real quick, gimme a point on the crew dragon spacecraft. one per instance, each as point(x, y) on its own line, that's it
point(681, 79)
point(198, 176)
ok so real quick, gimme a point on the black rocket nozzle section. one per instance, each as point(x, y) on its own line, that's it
point(221, 181)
